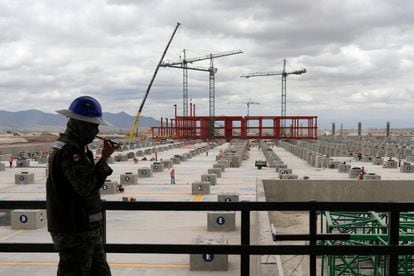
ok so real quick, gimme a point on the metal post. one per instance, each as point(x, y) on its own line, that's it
point(312, 241)
point(393, 237)
point(245, 240)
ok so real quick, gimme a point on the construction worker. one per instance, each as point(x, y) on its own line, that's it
point(74, 212)
point(172, 174)
point(11, 160)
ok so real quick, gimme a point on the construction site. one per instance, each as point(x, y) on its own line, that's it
point(227, 195)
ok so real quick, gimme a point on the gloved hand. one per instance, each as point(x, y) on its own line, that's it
point(108, 148)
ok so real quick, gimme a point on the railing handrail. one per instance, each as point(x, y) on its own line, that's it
point(245, 249)
point(228, 206)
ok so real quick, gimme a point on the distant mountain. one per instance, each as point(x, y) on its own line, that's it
point(35, 120)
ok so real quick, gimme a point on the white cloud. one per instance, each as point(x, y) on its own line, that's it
point(358, 54)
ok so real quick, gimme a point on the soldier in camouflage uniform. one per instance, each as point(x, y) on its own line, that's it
point(74, 210)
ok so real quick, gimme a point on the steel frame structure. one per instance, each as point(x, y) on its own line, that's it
point(238, 127)
point(369, 229)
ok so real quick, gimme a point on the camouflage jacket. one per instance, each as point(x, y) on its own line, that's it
point(72, 188)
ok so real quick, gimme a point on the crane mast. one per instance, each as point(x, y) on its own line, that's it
point(284, 74)
point(248, 103)
point(183, 64)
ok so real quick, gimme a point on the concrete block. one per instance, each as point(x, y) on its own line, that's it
point(212, 178)
point(221, 221)
point(110, 160)
point(354, 172)
point(284, 171)
point(200, 188)
point(21, 163)
point(182, 157)
point(367, 158)
point(219, 166)
point(109, 188)
point(344, 168)
point(390, 164)
point(157, 167)
point(216, 171)
point(145, 172)
point(406, 168)
point(279, 167)
point(167, 164)
point(24, 178)
point(289, 176)
point(371, 176)
point(121, 157)
point(236, 161)
point(228, 198)
point(209, 262)
point(131, 155)
point(332, 164)
point(28, 219)
point(128, 178)
point(225, 163)
point(378, 161)
point(175, 160)
point(2, 167)
point(42, 160)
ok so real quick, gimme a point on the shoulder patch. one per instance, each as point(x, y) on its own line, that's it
point(76, 157)
point(58, 145)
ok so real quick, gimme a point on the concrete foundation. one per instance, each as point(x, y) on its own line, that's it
point(221, 221)
point(209, 262)
point(28, 219)
point(109, 188)
point(216, 171)
point(24, 178)
point(228, 198)
point(212, 178)
point(200, 188)
point(339, 190)
point(128, 178)
point(145, 172)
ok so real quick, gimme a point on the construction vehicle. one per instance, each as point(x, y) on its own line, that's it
point(133, 132)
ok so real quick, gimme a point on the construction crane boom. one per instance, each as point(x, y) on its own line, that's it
point(282, 73)
point(133, 131)
point(248, 103)
point(183, 64)
point(205, 57)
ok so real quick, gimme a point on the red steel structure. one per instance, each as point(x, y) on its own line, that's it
point(238, 127)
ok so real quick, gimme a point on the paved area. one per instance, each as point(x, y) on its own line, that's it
point(158, 227)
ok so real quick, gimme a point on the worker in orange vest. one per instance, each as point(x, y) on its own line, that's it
point(11, 160)
point(172, 174)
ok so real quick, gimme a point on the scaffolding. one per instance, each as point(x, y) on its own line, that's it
point(238, 127)
point(365, 228)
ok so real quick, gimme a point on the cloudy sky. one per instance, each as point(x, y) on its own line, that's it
point(359, 56)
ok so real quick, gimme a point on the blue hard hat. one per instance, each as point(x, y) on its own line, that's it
point(85, 108)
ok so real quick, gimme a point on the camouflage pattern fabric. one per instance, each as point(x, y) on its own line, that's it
point(81, 254)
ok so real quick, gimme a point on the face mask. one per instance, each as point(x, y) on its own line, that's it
point(85, 131)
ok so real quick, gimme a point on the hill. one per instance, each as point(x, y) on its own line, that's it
point(35, 120)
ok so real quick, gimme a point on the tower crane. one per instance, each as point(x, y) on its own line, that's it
point(183, 64)
point(284, 74)
point(248, 103)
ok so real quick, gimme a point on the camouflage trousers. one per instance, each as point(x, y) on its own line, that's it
point(81, 253)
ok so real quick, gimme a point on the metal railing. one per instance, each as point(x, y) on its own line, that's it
point(245, 249)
